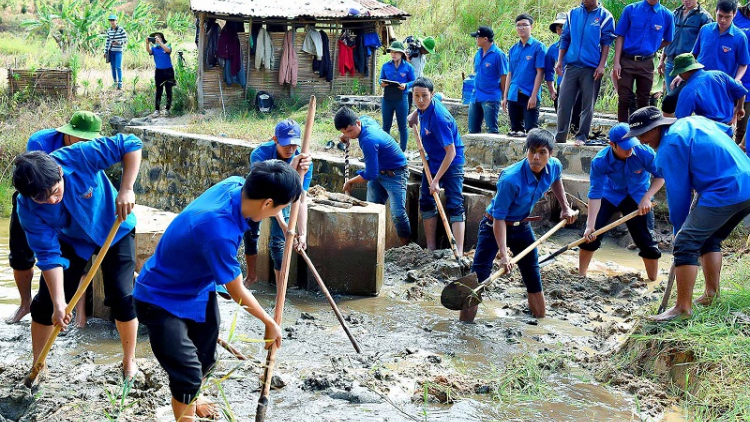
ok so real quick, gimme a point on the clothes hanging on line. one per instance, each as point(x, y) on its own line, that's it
point(264, 50)
point(229, 48)
point(289, 65)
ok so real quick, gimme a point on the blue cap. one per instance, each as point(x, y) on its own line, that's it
point(288, 133)
point(112, 17)
point(617, 135)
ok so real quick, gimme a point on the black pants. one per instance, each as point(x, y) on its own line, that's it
point(184, 348)
point(21, 256)
point(705, 229)
point(164, 80)
point(637, 226)
point(522, 118)
point(117, 269)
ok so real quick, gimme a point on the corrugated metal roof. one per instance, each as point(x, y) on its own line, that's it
point(318, 9)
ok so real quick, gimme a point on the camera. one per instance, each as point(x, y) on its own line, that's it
point(412, 47)
point(152, 40)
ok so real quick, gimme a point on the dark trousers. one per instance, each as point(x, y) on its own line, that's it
point(637, 226)
point(184, 348)
point(117, 268)
point(521, 118)
point(517, 238)
point(164, 79)
point(21, 256)
point(640, 73)
point(577, 89)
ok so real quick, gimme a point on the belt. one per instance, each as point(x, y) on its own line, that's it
point(516, 223)
point(391, 173)
point(638, 58)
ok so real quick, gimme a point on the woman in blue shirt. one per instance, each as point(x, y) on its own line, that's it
point(157, 46)
point(396, 78)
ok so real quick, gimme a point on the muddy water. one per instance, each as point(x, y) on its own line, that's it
point(406, 343)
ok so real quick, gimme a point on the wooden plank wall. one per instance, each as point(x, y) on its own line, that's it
point(47, 82)
point(233, 94)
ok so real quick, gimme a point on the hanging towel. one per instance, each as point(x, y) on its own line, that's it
point(289, 65)
point(264, 50)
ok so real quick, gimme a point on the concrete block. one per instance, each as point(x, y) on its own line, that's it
point(297, 274)
point(474, 206)
point(347, 247)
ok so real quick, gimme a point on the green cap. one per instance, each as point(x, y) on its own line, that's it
point(84, 125)
point(429, 45)
point(684, 63)
point(397, 46)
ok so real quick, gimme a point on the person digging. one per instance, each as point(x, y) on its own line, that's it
point(696, 154)
point(506, 225)
point(175, 293)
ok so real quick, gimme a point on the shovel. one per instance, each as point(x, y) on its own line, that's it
point(548, 259)
point(667, 291)
point(465, 292)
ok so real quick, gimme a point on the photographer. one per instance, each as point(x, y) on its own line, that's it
point(417, 50)
point(157, 46)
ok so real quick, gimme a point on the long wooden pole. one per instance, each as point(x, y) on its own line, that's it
point(260, 414)
point(39, 364)
point(436, 196)
point(328, 296)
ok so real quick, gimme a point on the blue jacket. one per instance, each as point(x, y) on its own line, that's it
point(197, 251)
point(644, 27)
point(381, 151)
point(488, 70)
point(518, 189)
point(698, 154)
point(524, 61)
point(686, 30)
point(614, 179)
point(584, 34)
point(711, 94)
point(724, 52)
point(267, 151)
point(86, 213)
point(438, 130)
point(46, 140)
point(403, 74)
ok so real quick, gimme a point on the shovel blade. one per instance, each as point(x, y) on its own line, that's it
point(544, 263)
point(460, 293)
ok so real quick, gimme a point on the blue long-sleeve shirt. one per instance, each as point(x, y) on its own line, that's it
point(550, 59)
point(46, 140)
point(524, 62)
point(709, 93)
point(518, 189)
point(197, 251)
point(724, 52)
point(438, 129)
point(686, 30)
point(614, 179)
point(404, 74)
point(644, 27)
point(86, 213)
point(698, 154)
point(267, 151)
point(381, 151)
point(489, 68)
point(585, 34)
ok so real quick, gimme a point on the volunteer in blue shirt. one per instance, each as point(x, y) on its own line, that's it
point(164, 73)
point(689, 18)
point(66, 206)
point(284, 146)
point(709, 93)
point(585, 41)
point(553, 82)
point(742, 21)
point(523, 86)
point(21, 257)
point(723, 187)
point(721, 45)
point(490, 68)
point(385, 173)
point(175, 293)
point(445, 157)
point(395, 98)
point(644, 28)
point(506, 222)
point(621, 181)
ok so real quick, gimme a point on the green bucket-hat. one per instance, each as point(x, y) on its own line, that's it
point(684, 63)
point(429, 44)
point(397, 46)
point(84, 125)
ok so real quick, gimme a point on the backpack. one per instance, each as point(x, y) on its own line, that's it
point(263, 102)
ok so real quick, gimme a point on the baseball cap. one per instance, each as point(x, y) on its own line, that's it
point(645, 119)
point(484, 31)
point(617, 135)
point(288, 133)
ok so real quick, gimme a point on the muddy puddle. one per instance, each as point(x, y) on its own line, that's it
point(418, 362)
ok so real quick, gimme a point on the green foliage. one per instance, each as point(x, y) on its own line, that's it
point(185, 93)
point(74, 25)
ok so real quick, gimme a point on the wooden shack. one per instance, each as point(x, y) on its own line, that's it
point(331, 16)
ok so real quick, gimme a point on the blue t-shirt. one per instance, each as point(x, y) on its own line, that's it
point(161, 57)
point(550, 59)
point(724, 52)
point(524, 62)
point(404, 73)
point(438, 130)
point(614, 179)
point(518, 189)
point(197, 251)
point(644, 27)
point(696, 153)
point(584, 34)
point(488, 69)
point(87, 211)
point(267, 151)
point(709, 93)
point(46, 140)
point(381, 151)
